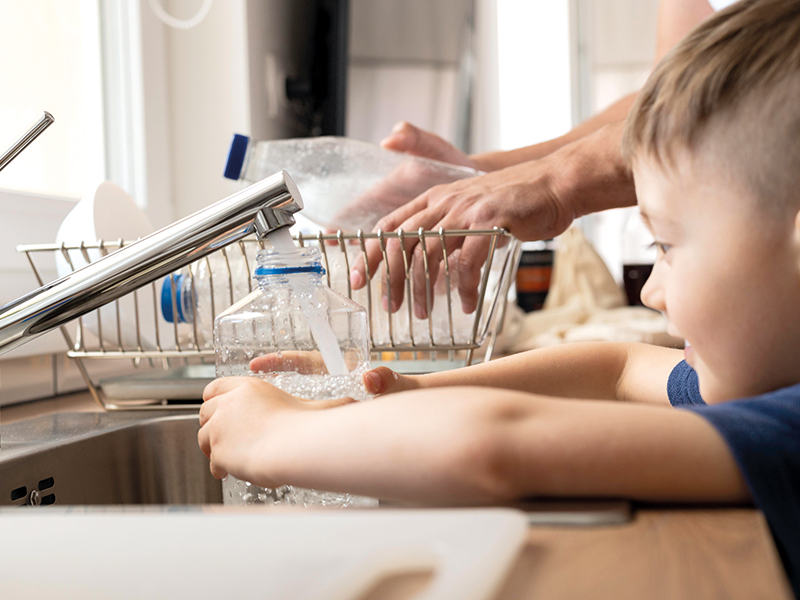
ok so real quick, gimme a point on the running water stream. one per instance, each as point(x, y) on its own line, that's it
point(281, 240)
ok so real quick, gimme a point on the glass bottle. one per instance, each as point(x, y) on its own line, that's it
point(301, 336)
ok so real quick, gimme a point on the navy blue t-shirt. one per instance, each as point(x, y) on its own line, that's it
point(763, 433)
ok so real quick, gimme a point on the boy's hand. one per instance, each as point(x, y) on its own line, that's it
point(239, 416)
point(383, 381)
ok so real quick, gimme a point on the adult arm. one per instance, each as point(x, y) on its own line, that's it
point(534, 192)
point(533, 200)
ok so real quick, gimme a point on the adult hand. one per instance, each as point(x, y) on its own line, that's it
point(533, 200)
point(522, 199)
point(407, 181)
point(239, 416)
point(410, 139)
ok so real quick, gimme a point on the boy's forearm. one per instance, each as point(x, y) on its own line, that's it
point(472, 445)
point(591, 370)
point(411, 446)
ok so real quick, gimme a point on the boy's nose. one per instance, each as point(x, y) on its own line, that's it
point(653, 291)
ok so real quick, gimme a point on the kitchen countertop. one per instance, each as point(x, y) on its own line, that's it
point(663, 552)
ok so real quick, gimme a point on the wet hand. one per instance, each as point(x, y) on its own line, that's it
point(239, 420)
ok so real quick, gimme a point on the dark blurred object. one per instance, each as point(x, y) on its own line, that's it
point(634, 277)
point(533, 275)
point(638, 256)
point(318, 92)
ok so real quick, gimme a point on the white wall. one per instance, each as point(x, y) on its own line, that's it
point(618, 42)
point(404, 65)
point(622, 47)
point(208, 100)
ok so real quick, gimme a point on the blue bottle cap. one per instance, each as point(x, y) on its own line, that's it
point(236, 155)
point(166, 299)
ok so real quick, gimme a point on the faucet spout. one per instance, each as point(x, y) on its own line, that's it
point(261, 208)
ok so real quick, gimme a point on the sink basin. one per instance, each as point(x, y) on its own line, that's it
point(105, 458)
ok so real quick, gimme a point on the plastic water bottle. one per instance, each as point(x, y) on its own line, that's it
point(206, 290)
point(346, 184)
point(301, 336)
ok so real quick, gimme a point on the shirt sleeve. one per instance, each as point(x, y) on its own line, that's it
point(763, 434)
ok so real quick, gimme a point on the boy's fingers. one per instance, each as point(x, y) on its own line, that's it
point(220, 386)
point(307, 363)
point(204, 442)
point(217, 472)
point(206, 410)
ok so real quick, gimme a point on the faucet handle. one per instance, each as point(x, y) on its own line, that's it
point(35, 130)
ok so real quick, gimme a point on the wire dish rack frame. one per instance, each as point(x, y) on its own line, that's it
point(395, 339)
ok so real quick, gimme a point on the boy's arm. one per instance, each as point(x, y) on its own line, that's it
point(591, 370)
point(466, 446)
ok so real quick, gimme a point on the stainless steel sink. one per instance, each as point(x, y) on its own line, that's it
point(105, 458)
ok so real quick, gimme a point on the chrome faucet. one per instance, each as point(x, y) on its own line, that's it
point(261, 208)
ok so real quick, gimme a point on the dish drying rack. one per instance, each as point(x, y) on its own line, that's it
point(175, 366)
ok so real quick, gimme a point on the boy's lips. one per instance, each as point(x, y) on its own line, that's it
point(688, 352)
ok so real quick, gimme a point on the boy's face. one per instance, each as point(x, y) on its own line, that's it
point(727, 277)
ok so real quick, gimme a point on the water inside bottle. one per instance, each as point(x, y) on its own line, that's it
point(281, 240)
point(338, 383)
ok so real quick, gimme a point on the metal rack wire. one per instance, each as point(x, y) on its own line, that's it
point(132, 327)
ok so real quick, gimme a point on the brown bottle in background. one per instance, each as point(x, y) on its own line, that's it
point(533, 274)
point(638, 257)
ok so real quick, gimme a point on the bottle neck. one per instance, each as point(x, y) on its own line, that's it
point(306, 277)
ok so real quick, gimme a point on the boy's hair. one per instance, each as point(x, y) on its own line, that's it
point(731, 87)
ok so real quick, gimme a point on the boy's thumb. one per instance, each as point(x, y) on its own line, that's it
point(384, 381)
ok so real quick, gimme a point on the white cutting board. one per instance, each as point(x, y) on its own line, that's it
point(49, 554)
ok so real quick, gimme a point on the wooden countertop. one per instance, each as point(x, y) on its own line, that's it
point(669, 553)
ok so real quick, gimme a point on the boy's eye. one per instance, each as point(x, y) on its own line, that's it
point(661, 247)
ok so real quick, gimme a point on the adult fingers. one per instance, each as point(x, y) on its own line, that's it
point(433, 254)
point(391, 222)
point(405, 137)
point(472, 258)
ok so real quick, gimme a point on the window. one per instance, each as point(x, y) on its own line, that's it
point(534, 54)
point(52, 62)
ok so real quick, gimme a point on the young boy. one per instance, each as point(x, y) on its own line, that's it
point(714, 145)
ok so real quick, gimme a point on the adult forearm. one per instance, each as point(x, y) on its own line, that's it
point(492, 161)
